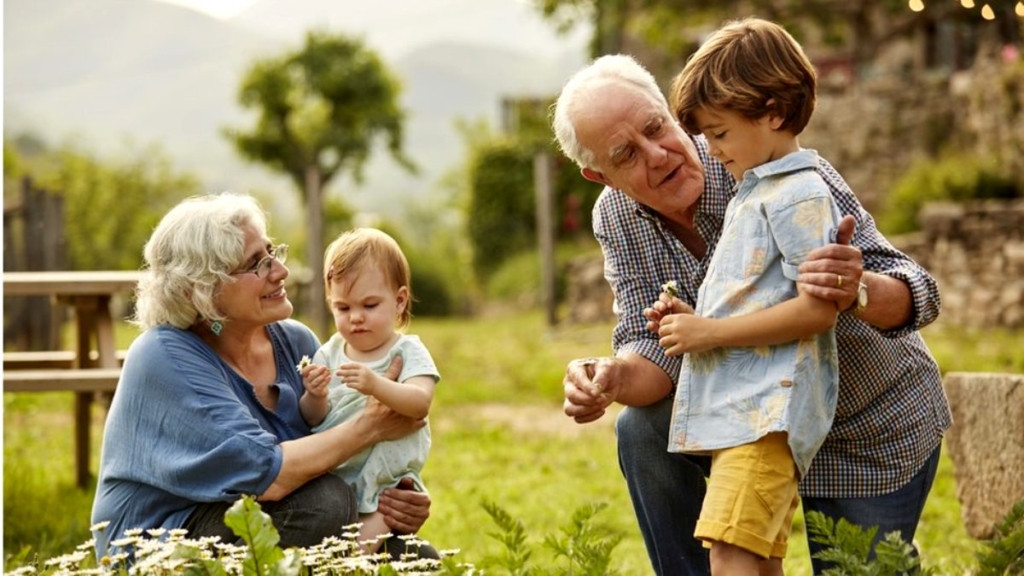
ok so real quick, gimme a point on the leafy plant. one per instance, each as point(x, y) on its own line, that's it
point(955, 178)
point(585, 547)
point(1004, 553)
point(516, 553)
point(849, 549)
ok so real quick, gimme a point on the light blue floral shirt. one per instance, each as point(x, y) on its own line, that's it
point(728, 397)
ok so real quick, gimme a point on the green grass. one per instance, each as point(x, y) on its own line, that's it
point(499, 436)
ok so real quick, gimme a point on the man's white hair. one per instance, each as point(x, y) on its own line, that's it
point(577, 93)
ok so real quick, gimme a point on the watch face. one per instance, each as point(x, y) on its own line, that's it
point(862, 296)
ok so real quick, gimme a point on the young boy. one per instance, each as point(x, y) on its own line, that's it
point(758, 385)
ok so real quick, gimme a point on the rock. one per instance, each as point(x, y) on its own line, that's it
point(986, 444)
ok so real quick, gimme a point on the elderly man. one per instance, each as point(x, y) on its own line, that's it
point(658, 220)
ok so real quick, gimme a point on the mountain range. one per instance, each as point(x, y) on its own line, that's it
point(117, 74)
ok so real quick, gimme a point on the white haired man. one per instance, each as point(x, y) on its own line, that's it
point(658, 220)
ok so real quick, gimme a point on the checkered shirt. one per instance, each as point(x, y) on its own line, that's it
point(891, 412)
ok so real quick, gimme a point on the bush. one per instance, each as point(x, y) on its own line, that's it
point(951, 177)
point(517, 280)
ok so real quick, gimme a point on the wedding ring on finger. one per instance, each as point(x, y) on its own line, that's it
point(839, 281)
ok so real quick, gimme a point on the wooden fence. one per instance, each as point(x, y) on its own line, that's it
point(34, 240)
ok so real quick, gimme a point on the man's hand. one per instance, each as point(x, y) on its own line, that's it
point(405, 510)
point(833, 272)
point(591, 385)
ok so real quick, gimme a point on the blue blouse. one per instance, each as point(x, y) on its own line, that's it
point(185, 428)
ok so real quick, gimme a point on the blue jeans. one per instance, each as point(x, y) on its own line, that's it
point(668, 489)
point(314, 511)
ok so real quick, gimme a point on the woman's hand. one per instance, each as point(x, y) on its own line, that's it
point(383, 423)
point(405, 510)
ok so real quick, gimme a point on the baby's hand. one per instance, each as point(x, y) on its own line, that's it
point(315, 379)
point(357, 377)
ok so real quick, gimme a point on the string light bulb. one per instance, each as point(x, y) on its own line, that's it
point(1019, 9)
point(987, 13)
point(917, 5)
point(967, 3)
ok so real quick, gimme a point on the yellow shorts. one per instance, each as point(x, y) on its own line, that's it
point(751, 498)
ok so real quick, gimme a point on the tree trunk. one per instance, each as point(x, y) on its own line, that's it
point(315, 302)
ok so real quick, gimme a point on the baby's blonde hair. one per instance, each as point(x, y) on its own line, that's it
point(750, 66)
point(362, 248)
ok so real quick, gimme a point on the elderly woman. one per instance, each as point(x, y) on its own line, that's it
point(207, 406)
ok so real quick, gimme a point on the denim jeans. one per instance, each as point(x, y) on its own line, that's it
point(667, 491)
point(320, 508)
point(898, 511)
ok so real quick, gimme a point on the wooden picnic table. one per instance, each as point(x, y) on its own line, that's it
point(93, 369)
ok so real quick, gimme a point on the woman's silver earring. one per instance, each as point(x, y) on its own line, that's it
point(216, 326)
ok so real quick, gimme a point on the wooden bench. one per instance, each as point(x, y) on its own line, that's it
point(84, 382)
point(61, 379)
point(50, 359)
point(95, 369)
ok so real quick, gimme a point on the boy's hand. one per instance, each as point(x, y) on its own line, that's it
point(685, 332)
point(315, 379)
point(357, 377)
point(665, 306)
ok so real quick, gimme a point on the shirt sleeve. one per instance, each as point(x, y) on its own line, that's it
point(634, 285)
point(416, 359)
point(882, 257)
point(806, 220)
point(182, 427)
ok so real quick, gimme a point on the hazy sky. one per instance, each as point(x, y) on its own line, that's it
point(216, 8)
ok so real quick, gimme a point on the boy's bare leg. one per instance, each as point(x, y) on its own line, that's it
point(729, 560)
point(373, 527)
point(771, 567)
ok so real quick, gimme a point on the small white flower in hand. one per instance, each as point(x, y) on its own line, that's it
point(671, 288)
point(303, 363)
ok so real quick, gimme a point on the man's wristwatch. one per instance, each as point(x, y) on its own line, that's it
point(862, 298)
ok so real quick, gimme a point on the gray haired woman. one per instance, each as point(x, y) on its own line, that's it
point(207, 410)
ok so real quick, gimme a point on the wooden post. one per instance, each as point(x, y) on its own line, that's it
point(39, 316)
point(315, 303)
point(545, 233)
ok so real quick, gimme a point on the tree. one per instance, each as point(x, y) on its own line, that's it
point(321, 109)
point(658, 28)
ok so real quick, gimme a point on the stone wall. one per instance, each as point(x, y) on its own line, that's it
point(975, 251)
point(874, 129)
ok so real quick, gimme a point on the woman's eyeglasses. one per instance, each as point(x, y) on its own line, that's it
point(262, 268)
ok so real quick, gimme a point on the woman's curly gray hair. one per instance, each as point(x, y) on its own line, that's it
point(191, 252)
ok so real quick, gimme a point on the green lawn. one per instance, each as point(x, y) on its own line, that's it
point(499, 436)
